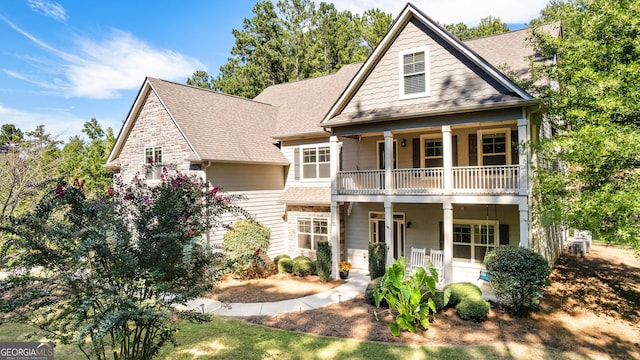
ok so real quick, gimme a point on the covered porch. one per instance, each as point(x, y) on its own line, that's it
point(463, 232)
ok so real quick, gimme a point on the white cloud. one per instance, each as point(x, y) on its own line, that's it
point(49, 9)
point(59, 123)
point(100, 69)
point(121, 62)
point(469, 12)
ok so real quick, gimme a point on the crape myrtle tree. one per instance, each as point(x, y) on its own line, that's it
point(596, 108)
point(111, 269)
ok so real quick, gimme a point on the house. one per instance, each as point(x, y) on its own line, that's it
point(422, 145)
point(198, 131)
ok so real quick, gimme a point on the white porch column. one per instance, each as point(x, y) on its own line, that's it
point(334, 159)
point(447, 159)
point(448, 242)
point(523, 160)
point(524, 225)
point(388, 163)
point(335, 238)
point(388, 231)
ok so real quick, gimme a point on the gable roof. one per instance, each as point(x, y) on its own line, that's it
point(512, 95)
point(303, 104)
point(511, 51)
point(217, 127)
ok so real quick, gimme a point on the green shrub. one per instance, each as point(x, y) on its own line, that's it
point(473, 309)
point(302, 266)
point(323, 264)
point(313, 267)
point(460, 291)
point(377, 260)
point(279, 257)
point(245, 237)
point(249, 266)
point(369, 292)
point(438, 299)
point(518, 277)
point(285, 266)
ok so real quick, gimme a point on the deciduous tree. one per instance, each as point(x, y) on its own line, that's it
point(596, 105)
point(111, 269)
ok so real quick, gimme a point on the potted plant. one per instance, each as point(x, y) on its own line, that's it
point(344, 267)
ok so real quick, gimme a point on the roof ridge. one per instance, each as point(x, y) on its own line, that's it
point(316, 77)
point(208, 90)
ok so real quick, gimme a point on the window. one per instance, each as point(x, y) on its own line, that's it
point(414, 75)
point(433, 152)
point(153, 162)
point(312, 230)
point(473, 239)
point(495, 148)
point(316, 162)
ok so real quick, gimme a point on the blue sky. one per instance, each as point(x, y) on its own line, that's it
point(65, 62)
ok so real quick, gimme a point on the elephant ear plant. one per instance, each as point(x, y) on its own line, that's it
point(110, 270)
point(408, 296)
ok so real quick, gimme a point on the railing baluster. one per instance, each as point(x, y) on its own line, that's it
point(466, 180)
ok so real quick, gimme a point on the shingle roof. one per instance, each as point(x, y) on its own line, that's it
point(303, 104)
point(512, 50)
point(221, 127)
point(306, 195)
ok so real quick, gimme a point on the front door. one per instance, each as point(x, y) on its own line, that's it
point(377, 234)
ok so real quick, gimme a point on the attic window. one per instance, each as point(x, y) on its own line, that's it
point(414, 72)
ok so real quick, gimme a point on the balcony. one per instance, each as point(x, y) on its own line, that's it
point(467, 180)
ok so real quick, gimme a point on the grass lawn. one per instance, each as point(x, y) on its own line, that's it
point(226, 338)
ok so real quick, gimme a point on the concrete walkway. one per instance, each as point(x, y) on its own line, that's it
point(354, 285)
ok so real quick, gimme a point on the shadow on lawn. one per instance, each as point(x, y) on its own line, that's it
point(591, 309)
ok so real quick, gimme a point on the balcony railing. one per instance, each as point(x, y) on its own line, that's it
point(361, 182)
point(418, 181)
point(499, 179)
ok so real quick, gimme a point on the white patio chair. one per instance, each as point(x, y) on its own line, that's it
point(417, 258)
point(437, 260)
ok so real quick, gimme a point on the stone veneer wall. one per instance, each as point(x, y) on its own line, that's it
point(153, 127)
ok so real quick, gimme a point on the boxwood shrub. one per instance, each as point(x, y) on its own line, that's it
point(473, 309)
point(460, 291)
point(280, 257)
point(302, 266)
point(518, 277)
point(285, 265)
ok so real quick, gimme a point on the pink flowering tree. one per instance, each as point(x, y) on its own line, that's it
point(111, 269)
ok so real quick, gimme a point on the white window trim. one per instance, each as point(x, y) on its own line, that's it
point(402, 221)
point(472, 245)
point(423, 156)
point(311, 218)
point(395, 153)
point(427, 73)
point(158, 170)
point(302, 163)
point(507, 133)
